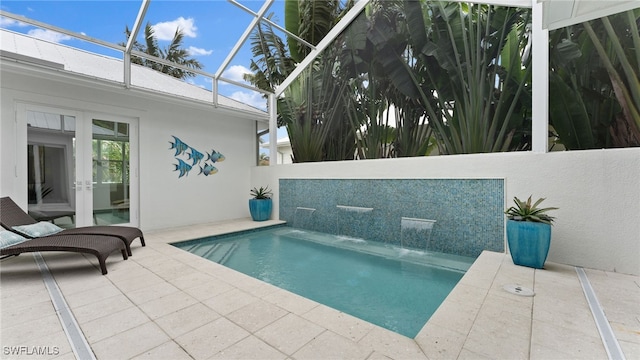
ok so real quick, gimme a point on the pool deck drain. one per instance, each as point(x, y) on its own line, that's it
point(78, 342)
point(164, 302)
point(516, 289)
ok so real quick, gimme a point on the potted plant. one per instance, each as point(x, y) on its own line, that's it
point(261, 204)
point(529, 232)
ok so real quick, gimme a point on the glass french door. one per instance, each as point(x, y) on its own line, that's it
point(81, 167)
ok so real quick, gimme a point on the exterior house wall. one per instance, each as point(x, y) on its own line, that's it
point(165, 200)
point(285, 152)
point(597, 191)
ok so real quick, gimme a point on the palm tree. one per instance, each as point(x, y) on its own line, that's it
point(272, 63)
point(313, 108)
point(174, 52)
point(263, 160)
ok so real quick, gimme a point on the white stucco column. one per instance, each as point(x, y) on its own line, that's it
point(273, 130)
point(540, 81)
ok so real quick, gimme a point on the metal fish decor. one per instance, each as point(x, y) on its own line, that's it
point(188, 157)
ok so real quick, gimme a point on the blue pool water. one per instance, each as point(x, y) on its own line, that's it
point(392, 287)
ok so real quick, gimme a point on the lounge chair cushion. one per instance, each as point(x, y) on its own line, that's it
point(42, 228)
point(9, 238)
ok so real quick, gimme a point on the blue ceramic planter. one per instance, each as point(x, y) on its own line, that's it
point(528, 242)
point(260, 209)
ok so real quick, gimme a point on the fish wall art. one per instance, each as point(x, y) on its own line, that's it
point(188, 158)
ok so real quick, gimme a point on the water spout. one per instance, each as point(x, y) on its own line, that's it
point(415, 223)
point(302, 217)
point(350, 220)
point(354, 208)
point(413, 231)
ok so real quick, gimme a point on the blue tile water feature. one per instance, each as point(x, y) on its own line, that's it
point(468, 212)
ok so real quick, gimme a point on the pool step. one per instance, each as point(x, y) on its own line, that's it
point(218, 252)
point(200, 249)
point(228, 254)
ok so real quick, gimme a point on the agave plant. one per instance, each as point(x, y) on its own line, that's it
point(526, 211)
point(261, 193)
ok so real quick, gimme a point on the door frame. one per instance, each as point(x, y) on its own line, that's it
point(83, 198)
point(134, 182)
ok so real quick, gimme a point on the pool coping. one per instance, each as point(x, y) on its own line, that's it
point(379, 251)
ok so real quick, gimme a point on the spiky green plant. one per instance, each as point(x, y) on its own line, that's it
point(261, 193)
point(472, 73)
point(526, 211)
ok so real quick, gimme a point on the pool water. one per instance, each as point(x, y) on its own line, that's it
point(395, 288)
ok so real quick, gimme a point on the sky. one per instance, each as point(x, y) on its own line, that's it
point(211, 29)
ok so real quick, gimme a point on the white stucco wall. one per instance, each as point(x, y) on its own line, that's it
point(165, 200)
point(192, 199)
point(597, 191)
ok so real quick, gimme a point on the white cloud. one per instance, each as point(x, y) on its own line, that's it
point(166, 30)
point(5, 22)
point(252, 98)
point(198, 51)
point(49, 35)
point(235, 73)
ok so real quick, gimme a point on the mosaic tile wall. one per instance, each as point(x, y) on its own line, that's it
point(468, 212)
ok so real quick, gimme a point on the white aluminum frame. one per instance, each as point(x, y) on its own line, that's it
point(540, 36)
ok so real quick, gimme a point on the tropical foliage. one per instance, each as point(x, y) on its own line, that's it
point(594, 82)
point(312, 108)
point(472, 72)
point(174, 52)
point(408, 77)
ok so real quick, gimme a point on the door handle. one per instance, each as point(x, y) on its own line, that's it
point(88, 183)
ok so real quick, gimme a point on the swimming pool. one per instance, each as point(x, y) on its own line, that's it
point(395, 288)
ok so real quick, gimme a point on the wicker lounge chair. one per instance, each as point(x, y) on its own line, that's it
point(12, 215)
point(99, 245)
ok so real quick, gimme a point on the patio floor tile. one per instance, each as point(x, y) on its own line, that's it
point(167, 351)
point(167, 304)
point(101, 308)
point(392, 345)
point(187, 319)
point(289, 333)
point(576, 344)
point(113, 324)
point(256, 315)
point(342, 324)
point(141, 296)
point(330, 345)
point(211, 338)
point(130, 343)
point(230, 301)
point(248, 349)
